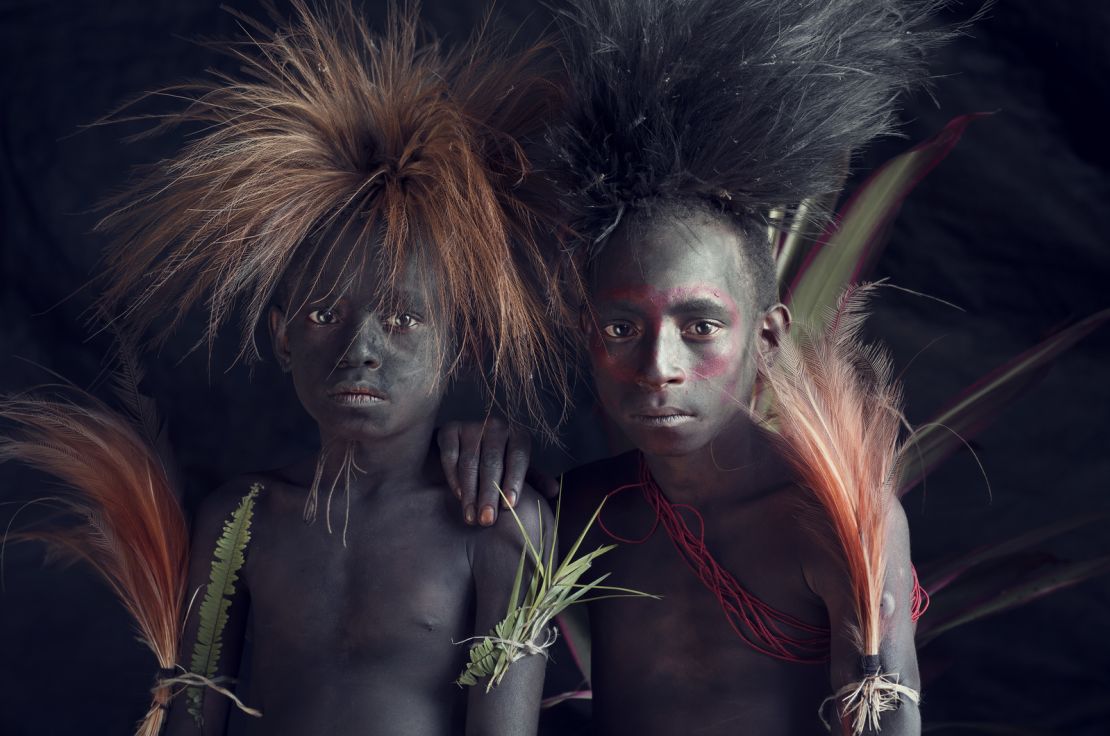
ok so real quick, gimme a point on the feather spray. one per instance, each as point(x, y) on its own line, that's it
point(117, 479)
point(411, 152)
point(748, 106)
point(133, 535)
point(838, 416)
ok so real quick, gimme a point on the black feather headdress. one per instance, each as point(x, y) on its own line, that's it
point(747, 104)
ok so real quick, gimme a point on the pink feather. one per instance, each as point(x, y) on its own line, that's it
point(838, 415)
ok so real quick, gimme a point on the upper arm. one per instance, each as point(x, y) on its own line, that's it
point(513, 706)
point(897, 652)
point(207, 528)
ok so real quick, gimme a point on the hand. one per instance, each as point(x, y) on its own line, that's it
point(480, 457)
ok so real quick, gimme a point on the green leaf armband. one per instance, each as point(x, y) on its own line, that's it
point(526, 628)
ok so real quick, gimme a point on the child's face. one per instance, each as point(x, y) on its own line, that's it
point(673, 332)
point(362, 368)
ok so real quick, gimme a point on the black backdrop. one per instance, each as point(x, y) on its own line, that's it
point(1012, 227)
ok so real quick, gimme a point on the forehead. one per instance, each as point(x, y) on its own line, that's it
point(355, 265)
point(675, 253)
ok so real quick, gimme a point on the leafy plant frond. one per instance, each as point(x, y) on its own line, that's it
point(971, 411)
point(227, 560)
point(851, 246)
point(938, 576)
point(550, 591)
point(1051, 578)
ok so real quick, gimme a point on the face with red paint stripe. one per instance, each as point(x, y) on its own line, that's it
point(674, 330)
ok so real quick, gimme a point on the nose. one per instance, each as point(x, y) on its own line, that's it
point(662, 363)
point(365, 345)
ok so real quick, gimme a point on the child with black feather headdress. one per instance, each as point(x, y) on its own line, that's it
point(689, 121)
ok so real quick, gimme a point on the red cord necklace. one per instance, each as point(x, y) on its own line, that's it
point(762, 627)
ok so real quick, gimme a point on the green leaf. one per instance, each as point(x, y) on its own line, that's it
point(849, 250)
point(550, 593)
point(554, 700)
point(1037, 585)
point(227, 560)
point(938, 576)
point(981, 402)
point(793, 247)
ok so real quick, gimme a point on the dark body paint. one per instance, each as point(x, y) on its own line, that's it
point(670, 334)
point(674, 339)
point(359, 638)
point(675, 665)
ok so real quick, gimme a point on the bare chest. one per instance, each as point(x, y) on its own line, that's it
point(393, 588)
point(701, 635)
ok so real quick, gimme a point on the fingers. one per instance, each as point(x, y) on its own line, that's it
point(469, 465)
point(495, 442)
point(482, 459)
point(518, 455)
point(448, 440)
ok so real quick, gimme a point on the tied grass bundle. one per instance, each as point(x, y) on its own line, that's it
point(526, 628)
point(227, 560)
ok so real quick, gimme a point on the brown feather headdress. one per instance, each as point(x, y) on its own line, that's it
point(329, 128)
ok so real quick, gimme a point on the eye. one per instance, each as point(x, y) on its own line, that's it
point(703, 328)
point(402, 322)
point(619, 330)
point(323, 316)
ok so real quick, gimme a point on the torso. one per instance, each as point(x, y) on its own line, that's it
point(675, 665)
point(359, 639)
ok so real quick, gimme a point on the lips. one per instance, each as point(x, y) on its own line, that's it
point(357, 394)
point(665, 416)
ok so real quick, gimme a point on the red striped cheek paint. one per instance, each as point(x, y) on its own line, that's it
point(664, 342)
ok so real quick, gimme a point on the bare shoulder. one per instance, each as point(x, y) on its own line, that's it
point(218, 506)
point(598, 475)
point(586, 486)
point(532, 514)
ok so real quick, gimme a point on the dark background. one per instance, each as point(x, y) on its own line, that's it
point(1012, 227)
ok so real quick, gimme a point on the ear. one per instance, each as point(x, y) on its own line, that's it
point(773, 328)
point(279, 338)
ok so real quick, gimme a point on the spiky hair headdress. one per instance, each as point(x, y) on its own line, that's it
point(746, 104)
point(328, 128)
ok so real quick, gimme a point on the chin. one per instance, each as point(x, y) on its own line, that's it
point(666, 442)
point(354, 424)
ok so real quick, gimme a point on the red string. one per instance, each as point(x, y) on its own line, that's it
point(762, 627)
point(919, 603)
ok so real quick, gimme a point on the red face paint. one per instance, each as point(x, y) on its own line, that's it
point(652, 312)
point(670, 345)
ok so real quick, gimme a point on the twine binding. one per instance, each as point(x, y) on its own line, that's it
point(862, 703)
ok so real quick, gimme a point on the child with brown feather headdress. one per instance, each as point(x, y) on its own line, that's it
point(367, 197)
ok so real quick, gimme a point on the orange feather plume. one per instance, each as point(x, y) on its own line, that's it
point(133, 531)
point(838, 417)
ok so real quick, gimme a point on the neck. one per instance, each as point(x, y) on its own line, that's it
point(738, 463)
point(376, 464)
